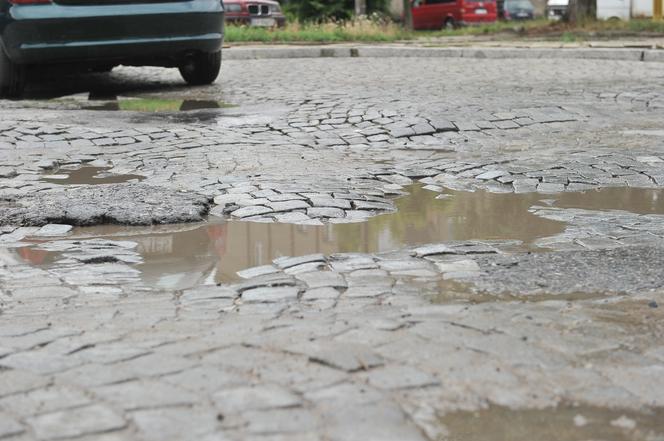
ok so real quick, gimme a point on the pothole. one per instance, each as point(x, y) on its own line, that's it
point(569, 423)
point(181, 256)
point(89, 175)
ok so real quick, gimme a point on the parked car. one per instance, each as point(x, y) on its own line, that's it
point(517, 10)
point(266, 13)
point(101, 34)
point(437, 14)
point(557, 9)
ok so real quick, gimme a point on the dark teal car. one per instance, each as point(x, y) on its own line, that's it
point(101, 34)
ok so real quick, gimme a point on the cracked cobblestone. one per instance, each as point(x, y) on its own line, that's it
point(343, 346)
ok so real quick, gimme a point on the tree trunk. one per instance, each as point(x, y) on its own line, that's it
point(581, 11)
point(407, 15)
point(360, 7)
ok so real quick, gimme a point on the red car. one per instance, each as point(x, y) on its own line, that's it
point(448, 14)
point(265, 13)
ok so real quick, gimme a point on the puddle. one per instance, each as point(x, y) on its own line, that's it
point(180, 256)
point(568, 423)
point(154, 105)
point(634, 200)
point(88, 175)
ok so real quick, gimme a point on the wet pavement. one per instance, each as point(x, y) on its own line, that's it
point(334, 257)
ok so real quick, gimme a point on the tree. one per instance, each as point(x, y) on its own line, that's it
point(320, 10)
point(407, 15)
point(582, 10)
point(360, 7)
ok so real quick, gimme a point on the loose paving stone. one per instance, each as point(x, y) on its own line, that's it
point(76, 422)
point(144, 394)
point(399, 377)
point(326, 212)
point(243, 399)
point(257, 271)
point(179, 423)
point(287, 262)
point(347, 357)
point(284, 421)
point(53, 230)
point(9, 426)
point(320, 294)
point(329, 202)
point(46, 400)
point(251, 211)
point(320, 279)
point(13, 381)
point(270, 295)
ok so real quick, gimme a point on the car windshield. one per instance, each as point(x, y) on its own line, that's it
point(518, 4)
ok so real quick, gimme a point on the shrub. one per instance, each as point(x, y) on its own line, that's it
point(321, 10)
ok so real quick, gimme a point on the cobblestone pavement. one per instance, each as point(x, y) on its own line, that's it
point(347, 346)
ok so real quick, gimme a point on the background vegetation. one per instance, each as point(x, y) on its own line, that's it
point(376, 28)
point(321, 10)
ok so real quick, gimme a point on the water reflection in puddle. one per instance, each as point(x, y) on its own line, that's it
point(89, 175)
point(634, 200)
point(568, 423)
point(180, 256)
point(153, 105)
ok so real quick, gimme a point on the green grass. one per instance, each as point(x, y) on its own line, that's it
point(365, 30)
point(317, 33)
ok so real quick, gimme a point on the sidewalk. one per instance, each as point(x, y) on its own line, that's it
point(646, 50)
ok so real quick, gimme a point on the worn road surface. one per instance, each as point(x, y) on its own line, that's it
point(540, 297)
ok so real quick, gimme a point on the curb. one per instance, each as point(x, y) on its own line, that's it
point(260, 53)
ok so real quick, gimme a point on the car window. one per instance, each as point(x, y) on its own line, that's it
point(518, 4)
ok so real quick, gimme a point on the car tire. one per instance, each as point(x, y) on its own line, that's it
point(103, 68)
point(449, 24)
point(12, 77)
point(202, 68)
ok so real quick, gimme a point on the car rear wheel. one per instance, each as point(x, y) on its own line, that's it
point(12, 77)
point(449, 24)
point(202, 68)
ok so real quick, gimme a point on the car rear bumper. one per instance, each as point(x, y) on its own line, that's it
point(87, 33)
point(279, 20)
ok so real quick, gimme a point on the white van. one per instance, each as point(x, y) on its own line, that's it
point(614, 9)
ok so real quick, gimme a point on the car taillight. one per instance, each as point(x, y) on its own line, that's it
point(29, 2)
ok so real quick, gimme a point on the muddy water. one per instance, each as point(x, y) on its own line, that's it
point(89, 175)
point(179, 256)
point(635, 200)
point(568, 423)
